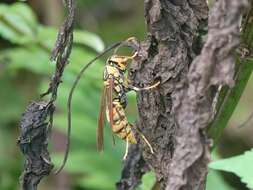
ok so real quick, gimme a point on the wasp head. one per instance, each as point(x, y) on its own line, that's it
point(120, 61)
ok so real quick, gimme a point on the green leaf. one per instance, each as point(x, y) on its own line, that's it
point(89, 39)
point(95, 167)
point(31, 58)
point(98, 181)
point(10, 97)
point(229, 100)
point(148, 181)
point(46, 37)
point(240, 165)
point(215, 179)
point(25, 12)
point(17, 23)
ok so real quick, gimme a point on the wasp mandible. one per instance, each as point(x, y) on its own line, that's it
point(114, 100)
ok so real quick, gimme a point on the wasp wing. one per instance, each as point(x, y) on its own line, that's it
point(109, 101)
point(106, 105)
point(101, 120)
point(110, 105)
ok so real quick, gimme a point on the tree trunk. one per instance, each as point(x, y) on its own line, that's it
point(174, 116)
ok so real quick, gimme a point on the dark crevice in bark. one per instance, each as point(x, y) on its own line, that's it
point(174, 116)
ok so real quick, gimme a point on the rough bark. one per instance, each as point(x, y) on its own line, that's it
point(174, 116)
point(173, 29)
point(193, 104)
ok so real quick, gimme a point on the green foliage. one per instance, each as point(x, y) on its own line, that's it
point(240, 165)
point(26, 60)
point(17, 23)
point(214, 177)
point(214, 180)
point(148, 181)
point(9, 173)
point(87, 38)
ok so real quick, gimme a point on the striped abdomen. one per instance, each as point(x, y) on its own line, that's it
point(121, 126)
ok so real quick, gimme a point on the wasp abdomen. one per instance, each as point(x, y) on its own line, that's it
point(120, 124)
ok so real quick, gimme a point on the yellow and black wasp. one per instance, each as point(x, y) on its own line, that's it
point(113, 99)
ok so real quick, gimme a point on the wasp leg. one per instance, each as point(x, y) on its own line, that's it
point(133, 56)
point(126, 152)
point(146, 141)
point(131, 39)
point(129, 87)
point(127, 58)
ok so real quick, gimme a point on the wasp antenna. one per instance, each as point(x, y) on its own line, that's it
point(131, 42)
point(80, 74)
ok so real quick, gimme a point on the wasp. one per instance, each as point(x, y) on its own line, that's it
point(114, 101)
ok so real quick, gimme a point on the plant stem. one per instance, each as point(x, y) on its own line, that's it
point(230, 97)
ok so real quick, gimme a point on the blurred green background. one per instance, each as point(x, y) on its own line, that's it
point(27, 34)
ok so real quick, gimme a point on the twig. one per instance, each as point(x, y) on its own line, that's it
point(37, 120)
point(134, 167)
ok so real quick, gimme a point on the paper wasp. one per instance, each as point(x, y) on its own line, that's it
point(113, 99)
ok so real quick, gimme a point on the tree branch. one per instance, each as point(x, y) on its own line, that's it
point(37, 120)
point(230, 97)
point(174, 39)
point(175, 116)
point(33, 143)
point(134, 167)
point(193, 105)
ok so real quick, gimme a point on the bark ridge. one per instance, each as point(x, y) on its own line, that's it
point(174, 117)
